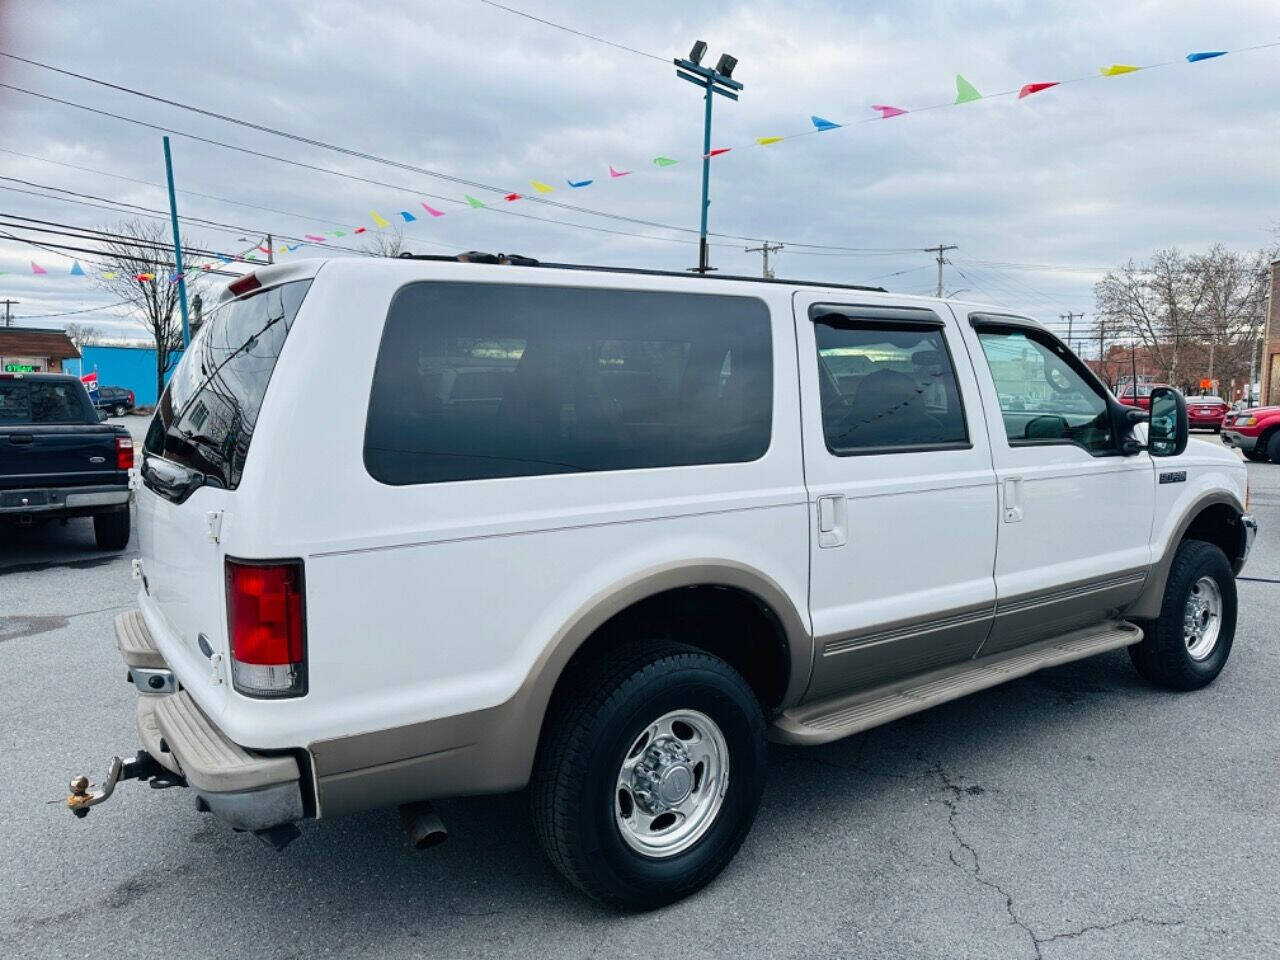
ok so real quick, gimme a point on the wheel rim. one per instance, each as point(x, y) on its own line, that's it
point(1202, 618)
point(672, 784)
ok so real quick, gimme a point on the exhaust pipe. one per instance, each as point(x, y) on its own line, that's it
point(423, 825)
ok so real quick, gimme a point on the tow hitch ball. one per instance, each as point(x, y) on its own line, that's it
point(141, 767)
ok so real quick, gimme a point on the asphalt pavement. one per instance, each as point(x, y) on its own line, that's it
point(1073, 813)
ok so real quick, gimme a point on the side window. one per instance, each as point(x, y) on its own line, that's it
point(886, 387)
point(476, 381)
point(1042, 397)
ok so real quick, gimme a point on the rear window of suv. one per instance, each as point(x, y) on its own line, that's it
point(206, 417)
point(476, 381)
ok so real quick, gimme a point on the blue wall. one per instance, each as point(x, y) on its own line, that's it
point(133, 368)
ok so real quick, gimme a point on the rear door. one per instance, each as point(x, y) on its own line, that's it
point(1076, 514)
point(50, 436)
point(901, 492)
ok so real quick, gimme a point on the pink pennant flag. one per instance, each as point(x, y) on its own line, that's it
point(1030, 88)
point(719, 150)
point(37, 269)
point(432, 210)
point(312, 237)
point(886, 111)
point(617, 173)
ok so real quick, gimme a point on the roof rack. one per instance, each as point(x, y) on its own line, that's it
point(512, 259)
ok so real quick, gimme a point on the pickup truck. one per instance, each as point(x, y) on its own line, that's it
point(1255, 432)
point(58, 460)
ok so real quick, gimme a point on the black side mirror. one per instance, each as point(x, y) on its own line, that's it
point(102, 415)
point(1169, 430)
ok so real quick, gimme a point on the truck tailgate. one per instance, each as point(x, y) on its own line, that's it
point(64, 455)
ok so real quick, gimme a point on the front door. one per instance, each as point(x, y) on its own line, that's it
point(1076, 512)
point(902, 494)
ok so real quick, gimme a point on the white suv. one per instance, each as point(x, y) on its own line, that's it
point(419, 528)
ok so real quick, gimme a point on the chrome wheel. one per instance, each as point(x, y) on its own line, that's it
point(672, 783)
point(1202, 618)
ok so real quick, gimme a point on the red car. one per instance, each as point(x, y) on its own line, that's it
point(1255, 432)
point(1205, 413)
point(1143, 398)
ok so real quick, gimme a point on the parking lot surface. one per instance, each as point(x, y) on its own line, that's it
point(1073, 813)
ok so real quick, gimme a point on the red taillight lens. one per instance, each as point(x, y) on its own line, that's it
point(266, 625)
point(124, 453)
point(244, 285)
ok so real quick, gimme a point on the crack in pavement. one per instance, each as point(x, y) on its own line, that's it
point(952, 802)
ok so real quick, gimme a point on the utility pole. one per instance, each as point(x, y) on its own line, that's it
point(716, 81)
point(940, 249)
point(8, 315)
point(177, 247)
point(1070, 318)
point(271, 250)
point(765, 249)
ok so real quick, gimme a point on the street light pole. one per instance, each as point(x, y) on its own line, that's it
point(718, 81)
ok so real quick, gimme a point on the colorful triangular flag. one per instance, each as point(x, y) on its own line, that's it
point(579, 183)
point(766, 141)
point(541, 187)
point(293, 246)
point(887, 111)
point(76, 269)
point(472, 201)
point(719, 150)
point(408, 217)
point(432, 210)
point(966, 92)
point(1030, 88)
point(512, 196)
point(1116, 69)
point(37, 269)
point(378, 221)
point(1205, 55)
point(359, 230)
point(314, 239)
point(618, 173)
point(664, 161)
point(338, 233)
point(821, 124)
point(111, 274)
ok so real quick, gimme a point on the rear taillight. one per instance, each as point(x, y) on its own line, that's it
point(266, 624)
point(243, 285)
point(124, 453)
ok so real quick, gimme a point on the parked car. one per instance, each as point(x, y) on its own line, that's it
point(117, 400)
point(1142, 399)
point(1206, 413)
point(1255, 432)
point(669, 522)
point(58, 460)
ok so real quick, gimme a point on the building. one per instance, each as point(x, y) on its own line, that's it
point(133, 368)
point(1269, 366)
point(35, 350)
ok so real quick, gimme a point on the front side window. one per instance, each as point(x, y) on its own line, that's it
point(886, 386)
point(1043, 399)
point(477, 381)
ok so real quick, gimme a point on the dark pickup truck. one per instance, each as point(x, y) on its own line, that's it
point(59, 460)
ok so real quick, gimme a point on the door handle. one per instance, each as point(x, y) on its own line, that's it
point(831, 520)
point(21, 438)
point(1012, 499)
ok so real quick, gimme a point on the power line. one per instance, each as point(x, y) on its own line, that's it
point(73, 313)
point(577, 33)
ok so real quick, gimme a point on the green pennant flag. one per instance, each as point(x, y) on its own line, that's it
point(664, 161)
point(473, 201)
point(966, 92)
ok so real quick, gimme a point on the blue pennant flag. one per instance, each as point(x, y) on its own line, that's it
point(1205, 55)
point(580, 183)
point(76, 269)
point(408, 217)
point(823, 124)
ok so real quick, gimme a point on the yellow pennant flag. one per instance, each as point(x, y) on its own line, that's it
point(541, 187)
point(765, 141)
point(1118, 68)
point(378, 221)
point(110, 275)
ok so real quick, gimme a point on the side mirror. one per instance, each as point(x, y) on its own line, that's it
point(102, 415)
point(1169, 430)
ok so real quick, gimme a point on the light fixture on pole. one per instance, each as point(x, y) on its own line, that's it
point(719, 81)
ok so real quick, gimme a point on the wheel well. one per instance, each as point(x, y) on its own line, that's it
point(1217, 524)
point(727, 622)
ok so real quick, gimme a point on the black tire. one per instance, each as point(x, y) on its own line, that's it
point(111, 530)
point(1217, 429)
point(1258, 454)
point(588, 735)
point(117, 411)
point(1273, 447)
point(1163, 657)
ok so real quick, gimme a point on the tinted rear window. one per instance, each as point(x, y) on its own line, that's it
point(476, 381)
point(207, 416)
point(42, 401)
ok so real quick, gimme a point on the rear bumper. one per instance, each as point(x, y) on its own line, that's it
point(1238, 440)
point(62, 501)
point(244, 788)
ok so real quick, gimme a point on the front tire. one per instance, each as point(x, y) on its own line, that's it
point(111, 530)
point(1273, 447)
point(649, 775)
point(1187, 646)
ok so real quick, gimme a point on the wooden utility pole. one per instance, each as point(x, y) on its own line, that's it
point(765, 249)
point(8, 316)
point(940, 249)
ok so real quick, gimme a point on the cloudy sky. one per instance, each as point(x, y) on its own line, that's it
point(1040, 195)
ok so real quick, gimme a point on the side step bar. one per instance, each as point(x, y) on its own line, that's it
point(822, 722)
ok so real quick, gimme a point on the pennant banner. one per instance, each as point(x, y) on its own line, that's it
point(1030, 88)
point(1116, 69)
point(886, 112)
point(664, 161)
point(379, 221)
point(769, 141)
point(966, 92)
point(821, 124)
point(1206, 55)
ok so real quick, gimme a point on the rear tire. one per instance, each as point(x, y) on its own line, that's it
point(111, 530)
point(1273, 447)
point(1186, 647)
point(117, 411)
point(605, 769)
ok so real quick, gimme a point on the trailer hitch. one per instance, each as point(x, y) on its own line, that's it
point(143, 766)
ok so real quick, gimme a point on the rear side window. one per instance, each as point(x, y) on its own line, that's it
point(207, 416)
point(476, 381)
point(41, 401)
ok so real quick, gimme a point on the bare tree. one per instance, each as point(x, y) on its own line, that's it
point(387, 243)
point(1231, 315)
point(139, 269)
point(83, 335)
